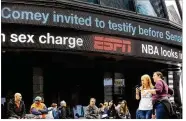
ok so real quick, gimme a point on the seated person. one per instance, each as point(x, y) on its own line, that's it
point(103, 111)
point(123, 112)
point(53, 112)
point(64, 111)
point(16, 107)
point(91, 111)
point(38, 108)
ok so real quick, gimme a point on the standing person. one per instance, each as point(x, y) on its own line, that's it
point(123, 112)
point(64, 111)
point(16, 107)
point(144, 110)
point(91, 111)
point(161, 103)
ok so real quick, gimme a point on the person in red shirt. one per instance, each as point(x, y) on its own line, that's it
point(162, 108)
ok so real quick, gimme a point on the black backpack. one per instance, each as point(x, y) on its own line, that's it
point(172, 113)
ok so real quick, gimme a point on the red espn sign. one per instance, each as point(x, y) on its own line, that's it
point(112, 44)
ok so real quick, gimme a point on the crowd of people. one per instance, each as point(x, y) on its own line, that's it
point(38, 110)
point(108, 110)
point(154, 104)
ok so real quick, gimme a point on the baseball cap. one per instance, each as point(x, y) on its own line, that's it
point(38, 98)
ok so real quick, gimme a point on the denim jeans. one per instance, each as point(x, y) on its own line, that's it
point(143, 114)
point(161, 112)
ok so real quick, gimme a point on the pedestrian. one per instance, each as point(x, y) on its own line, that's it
point(162, 108)
point(144, 110)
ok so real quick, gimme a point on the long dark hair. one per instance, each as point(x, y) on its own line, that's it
point(111, 107)
point(124, 109)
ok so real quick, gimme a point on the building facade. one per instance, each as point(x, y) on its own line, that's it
point(61, 49)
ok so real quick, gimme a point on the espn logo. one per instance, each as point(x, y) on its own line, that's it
point(112, 44)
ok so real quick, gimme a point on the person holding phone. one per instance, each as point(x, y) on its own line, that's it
point(144, 110)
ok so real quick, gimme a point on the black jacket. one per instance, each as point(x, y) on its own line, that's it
point(64, 113)
point(112, 112)
point(14, 111)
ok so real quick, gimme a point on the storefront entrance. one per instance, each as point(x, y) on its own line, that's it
point(73, 77)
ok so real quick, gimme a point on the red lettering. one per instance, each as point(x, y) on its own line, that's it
point(112, 44)
point(126, 44)
point(108, 46)
point(116, 46)
point(98, 45)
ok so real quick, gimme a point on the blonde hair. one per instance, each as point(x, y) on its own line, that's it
point(147, 77)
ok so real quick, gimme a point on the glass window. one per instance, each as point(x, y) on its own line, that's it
point(119, 84)
point(173, 11)
point(120, 4)
point(181, 4)
point(108, 86)
point(150, 8)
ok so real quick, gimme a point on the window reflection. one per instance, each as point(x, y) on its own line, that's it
point(150, 8)
point(173, 11)
point(120, 4)
point(181, 4)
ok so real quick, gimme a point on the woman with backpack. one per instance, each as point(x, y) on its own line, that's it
point(162, 108)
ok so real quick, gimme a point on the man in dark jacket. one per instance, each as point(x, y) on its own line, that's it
point(16, 107)
point(91, 111)
point(63, 111)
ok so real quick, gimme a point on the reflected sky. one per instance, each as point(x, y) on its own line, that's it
point(172, 2)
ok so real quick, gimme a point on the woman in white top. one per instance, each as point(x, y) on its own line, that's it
point(144, 110)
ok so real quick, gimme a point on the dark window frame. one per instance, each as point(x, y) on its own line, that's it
point(133, 10)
